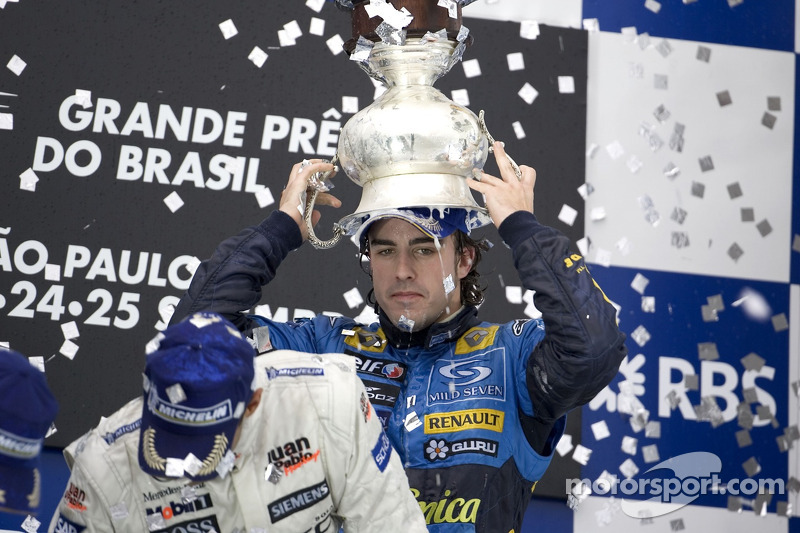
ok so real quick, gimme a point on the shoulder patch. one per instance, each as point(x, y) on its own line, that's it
point(111, 437)
point(365, 340)
point(382, 451)
point(476, 338)
point(518, 325)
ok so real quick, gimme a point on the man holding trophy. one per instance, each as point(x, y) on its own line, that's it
point(473, 408)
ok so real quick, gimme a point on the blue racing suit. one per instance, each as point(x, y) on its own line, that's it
point(474, 408)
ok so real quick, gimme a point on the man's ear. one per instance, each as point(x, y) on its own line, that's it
point(255, 399)
point(465, 261)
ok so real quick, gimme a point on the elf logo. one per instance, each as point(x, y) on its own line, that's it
point(379, 367)
point(202, 502)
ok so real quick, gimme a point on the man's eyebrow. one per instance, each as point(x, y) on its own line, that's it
point(412, 242)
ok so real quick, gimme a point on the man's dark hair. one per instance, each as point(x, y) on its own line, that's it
point(471, 289)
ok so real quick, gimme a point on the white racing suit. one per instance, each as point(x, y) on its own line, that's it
point(314, 421)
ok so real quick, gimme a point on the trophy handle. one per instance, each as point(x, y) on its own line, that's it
point(316, 184)
point(489, 137)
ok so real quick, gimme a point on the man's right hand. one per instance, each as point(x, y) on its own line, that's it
point(292, 196)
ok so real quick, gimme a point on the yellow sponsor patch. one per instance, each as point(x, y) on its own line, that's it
point(476, 339)
point(366, 341)
point(454, 421)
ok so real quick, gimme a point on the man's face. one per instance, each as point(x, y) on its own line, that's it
point(411, 274)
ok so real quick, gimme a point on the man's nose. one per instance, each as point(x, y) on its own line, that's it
point(404, 268)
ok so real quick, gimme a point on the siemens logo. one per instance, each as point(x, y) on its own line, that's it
point(297, 501)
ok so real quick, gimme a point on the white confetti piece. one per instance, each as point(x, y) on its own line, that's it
point(258, 56)
point(70, 330)
point(634, 164)
point(228, 29)
point(16, 65)
point(564, 445)
point(639, 283)
point(581, 454)
point(602, 257)
point(566, 84)
point(598, 213)
point(52, 272)
point(36, 361)
point(174, 467)
point(615, 150)
point(529, 29)
point(293, 29)
point(472, 68)
point(350, 104)
point(653, 5)
point(629, 468)
point(353, 298)
point(514, 294)
point(600, 430)
point(68, 349)
point(6, 121)
point(264, 197)
point(316, 26)
point(173, 201)
point(28, 180)
point(30, 524)
point(518, 130)
point(515, 61)
point(629, 445)
point(192, 464)
point(528, 93)
point(567, 215)
point(335, 44)
point(460, 96)
point(284, 39)
point(83, 98)
point(583, 246)
point(629, 34)
point(176, 393)
point(316, 5)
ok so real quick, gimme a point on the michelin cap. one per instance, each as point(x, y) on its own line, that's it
point(197, 382)
point(27, 410)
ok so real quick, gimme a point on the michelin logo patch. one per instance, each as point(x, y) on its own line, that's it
point(481, 376)
point(110, 438)
point(274, 373)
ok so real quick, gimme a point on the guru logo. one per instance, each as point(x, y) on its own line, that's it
point(442, 449)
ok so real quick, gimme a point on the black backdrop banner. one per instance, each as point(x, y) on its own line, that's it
point(137, 136)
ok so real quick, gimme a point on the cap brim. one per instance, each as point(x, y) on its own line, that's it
point(21, 489)
point(157, 443)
